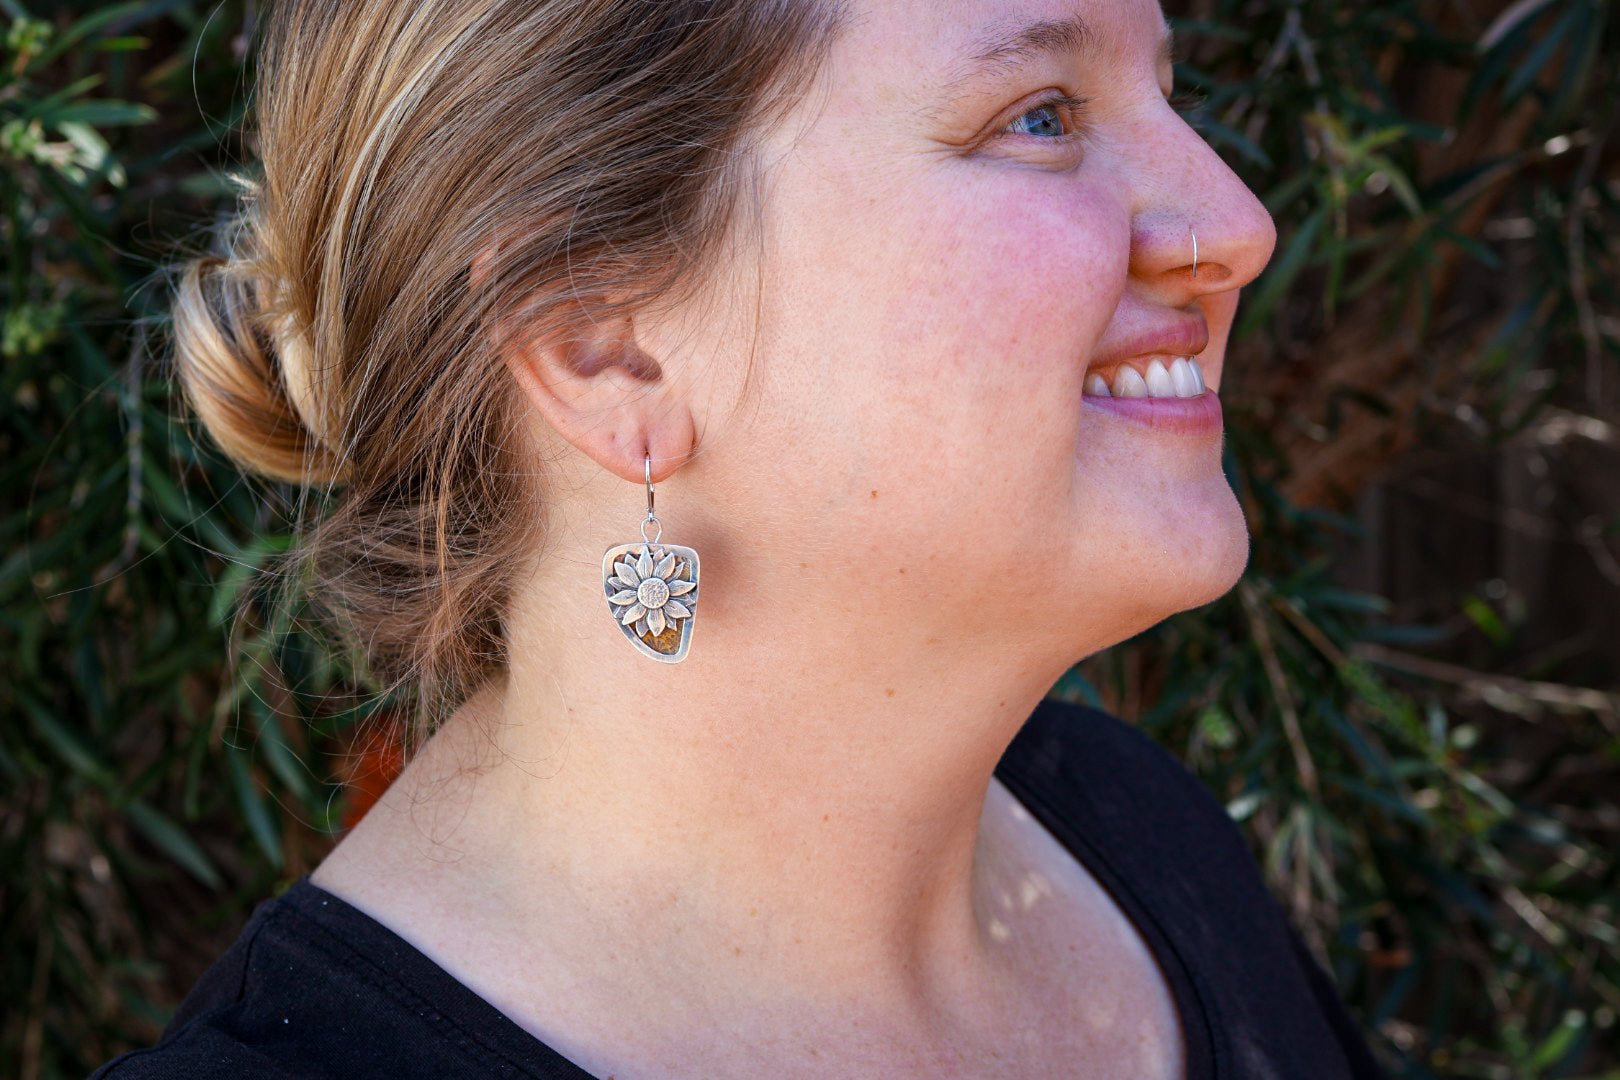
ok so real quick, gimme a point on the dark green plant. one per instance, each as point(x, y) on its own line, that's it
point(160, 776)
point(145, 805)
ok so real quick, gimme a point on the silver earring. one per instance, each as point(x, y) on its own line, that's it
point(1195, 252)
point(651, 588)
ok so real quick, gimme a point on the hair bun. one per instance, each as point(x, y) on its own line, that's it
point(234, 367)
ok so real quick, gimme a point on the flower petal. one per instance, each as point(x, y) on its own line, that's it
point(623, 596)
point(627, 573)
point(644, 564)
point(681, 588)
point(636, 611)
point(666, 566)
point(655, 621)
point(641, 627)
point(674, 609)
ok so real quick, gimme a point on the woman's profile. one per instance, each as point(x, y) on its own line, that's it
point(732, 417)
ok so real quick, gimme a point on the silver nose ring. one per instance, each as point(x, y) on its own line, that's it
point(1195, 251)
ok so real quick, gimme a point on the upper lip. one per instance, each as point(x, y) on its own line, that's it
point(1184, 334)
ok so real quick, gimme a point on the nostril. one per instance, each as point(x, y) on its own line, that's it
point(1209, 274)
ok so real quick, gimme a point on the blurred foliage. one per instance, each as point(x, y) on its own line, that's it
point(1442, 175)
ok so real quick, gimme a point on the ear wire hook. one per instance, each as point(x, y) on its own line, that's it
point(651, 518)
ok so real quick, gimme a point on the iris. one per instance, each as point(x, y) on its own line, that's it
point(1044, 120)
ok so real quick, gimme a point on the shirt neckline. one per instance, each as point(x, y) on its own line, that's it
point(391, 957)
point(1017, 774)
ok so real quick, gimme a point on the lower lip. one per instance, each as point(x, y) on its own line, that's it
point(1199, 415)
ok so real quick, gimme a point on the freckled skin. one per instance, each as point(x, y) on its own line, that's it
point(872, 429)
point(929, 322)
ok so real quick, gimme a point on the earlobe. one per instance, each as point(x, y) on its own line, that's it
point(598, 389)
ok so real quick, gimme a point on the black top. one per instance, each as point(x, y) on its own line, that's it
point(317, 988)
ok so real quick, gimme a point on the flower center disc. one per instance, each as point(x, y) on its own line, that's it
point(652, 593)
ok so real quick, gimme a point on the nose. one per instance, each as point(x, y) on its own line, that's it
point(1184, 190)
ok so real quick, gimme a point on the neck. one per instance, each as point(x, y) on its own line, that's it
point(738, 818)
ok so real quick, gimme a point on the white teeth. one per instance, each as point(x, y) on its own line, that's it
point(1129, 383)
point(1183, 378)
point(1181, 375)
point(1158, 380)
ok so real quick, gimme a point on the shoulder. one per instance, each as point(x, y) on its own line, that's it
point(199, 1053)
point(316, 988)
point(257, 1012)
point(202, 1041)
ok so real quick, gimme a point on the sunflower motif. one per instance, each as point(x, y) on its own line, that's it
point(650, 596)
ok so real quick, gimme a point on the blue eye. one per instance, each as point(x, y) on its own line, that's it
point(1045, 120)
point(1054, 118)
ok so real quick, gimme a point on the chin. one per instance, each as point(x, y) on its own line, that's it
point(1228, 559)
point(1216, 556)
point(1210, 556)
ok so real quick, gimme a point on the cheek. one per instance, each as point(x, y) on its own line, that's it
point(1005, 272)
point(986, 285)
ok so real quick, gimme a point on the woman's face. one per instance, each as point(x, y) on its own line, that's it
point(983, 202)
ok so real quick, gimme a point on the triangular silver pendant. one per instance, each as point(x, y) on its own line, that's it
point(651, 589)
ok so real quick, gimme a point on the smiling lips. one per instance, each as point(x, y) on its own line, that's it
point(1156, 362)
point(1154, 380)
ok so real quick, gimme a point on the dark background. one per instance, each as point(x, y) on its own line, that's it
point(1411, 703)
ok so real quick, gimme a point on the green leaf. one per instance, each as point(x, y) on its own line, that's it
point(132, 12)
point(122, 44)
point(68, 746)
point(1275, 281)
point(1383, 800)
point(174, 842)
point(284, 762)
point(251, 801)
point(1575, 83)
point(100, 113)
point(1557, 1046)
point(1485, 617)
point(1218, 134)
point(246, 567)
point(1329, 599)
point(1404, 634)
point(39, 110)
point(1525, 74)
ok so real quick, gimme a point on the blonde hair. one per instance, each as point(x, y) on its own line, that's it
point(584, 153)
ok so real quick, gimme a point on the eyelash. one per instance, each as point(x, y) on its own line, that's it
point(1072, 108)
point(1188, 101)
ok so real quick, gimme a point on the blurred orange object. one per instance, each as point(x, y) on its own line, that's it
point(374, 756)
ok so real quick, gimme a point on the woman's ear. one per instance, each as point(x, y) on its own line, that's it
point(597, 388)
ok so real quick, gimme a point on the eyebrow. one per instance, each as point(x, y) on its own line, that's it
point(1048, 37)
point(1042, 38)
